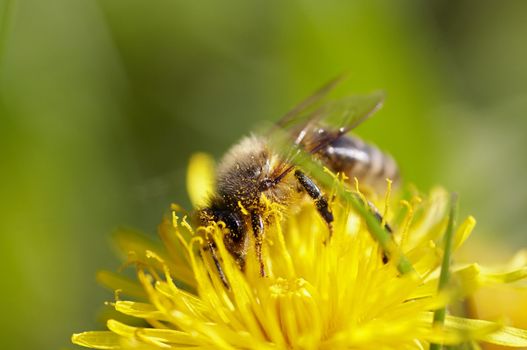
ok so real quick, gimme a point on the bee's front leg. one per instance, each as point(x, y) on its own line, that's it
point(212, 247)
point(321, 201)
point(258, 231)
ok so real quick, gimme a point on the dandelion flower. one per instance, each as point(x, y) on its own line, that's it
point(317, 294)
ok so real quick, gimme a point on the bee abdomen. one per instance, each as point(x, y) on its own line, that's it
point(356, 158)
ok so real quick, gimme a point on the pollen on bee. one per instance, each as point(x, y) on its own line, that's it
point(242, 208)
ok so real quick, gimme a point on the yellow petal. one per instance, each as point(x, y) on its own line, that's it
point(140, 310)
point(463, 232)
point(97, 340)
point(505, 277)
point(469, 279)
point(200, 178)
point(488, 331)
point(507, 336)
point(128, 241)
point(135, 247)
point(116, 281)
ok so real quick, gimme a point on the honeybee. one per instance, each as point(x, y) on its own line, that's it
point(257, 166)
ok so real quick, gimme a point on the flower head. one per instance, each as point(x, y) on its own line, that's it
point(319, 293)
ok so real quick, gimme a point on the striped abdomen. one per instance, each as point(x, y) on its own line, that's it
point(355, 158)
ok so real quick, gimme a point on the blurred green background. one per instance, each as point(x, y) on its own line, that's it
point(102, 102)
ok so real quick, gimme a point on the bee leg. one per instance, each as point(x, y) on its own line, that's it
point(387, 227)
point(321, 201)
point(212, 247)
point(258, 230)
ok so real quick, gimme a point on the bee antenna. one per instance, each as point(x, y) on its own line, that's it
point(284, 173)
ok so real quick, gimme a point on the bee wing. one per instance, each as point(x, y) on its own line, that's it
point(302, 113)
point(338, 117)
point(299, 132)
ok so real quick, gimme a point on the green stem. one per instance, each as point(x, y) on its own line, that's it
point(444, 277)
